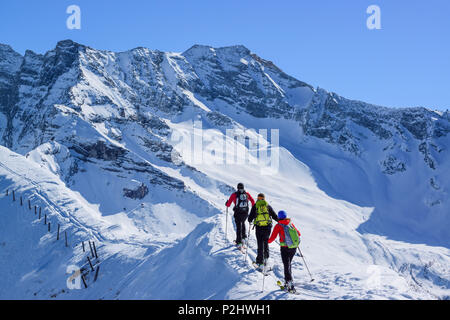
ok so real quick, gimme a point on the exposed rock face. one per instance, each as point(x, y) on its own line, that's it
point(423, 148)
point(392, 165)
point(161, 149)
point(139, 193)
point(99, 150)
point(219, 119)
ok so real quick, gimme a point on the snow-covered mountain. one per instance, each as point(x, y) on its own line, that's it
point(88, 135)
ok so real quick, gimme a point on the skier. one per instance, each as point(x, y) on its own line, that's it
point(289, 241)
point(262, 213)
point(241, 208)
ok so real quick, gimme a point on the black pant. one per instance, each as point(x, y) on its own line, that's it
point(262, 237)
point(287, 254)
point(239, 219)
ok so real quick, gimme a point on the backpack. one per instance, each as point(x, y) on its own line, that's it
point(262, 214)
point(291, 237)
point(241, 202)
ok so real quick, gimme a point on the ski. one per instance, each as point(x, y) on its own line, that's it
point(280, 284)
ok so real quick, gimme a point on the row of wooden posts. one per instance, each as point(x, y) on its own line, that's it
point(93, 251)
point(92, 247)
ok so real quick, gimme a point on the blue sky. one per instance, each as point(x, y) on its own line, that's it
point(323, 42)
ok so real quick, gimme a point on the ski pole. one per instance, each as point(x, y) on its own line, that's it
point(226, 225)
point(248, 241)
point(301, 255)
point(264, 267)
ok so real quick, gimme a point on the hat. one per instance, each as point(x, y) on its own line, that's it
point(282, 215)
point(261, 195)
point(240, 185)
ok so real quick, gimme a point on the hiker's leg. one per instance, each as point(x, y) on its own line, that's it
point(237, 220)
point(292, 252)
point(285, 257)
point(244, 232)
point(260, 241)
point(267, 231)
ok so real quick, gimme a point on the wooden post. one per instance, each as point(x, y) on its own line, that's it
point(84, 281)
point(57, 234)
point(49, 227)
point(6, 192)
point(96, 273)
point(82, 243)
point(40, 213)
point(65, 236)
point(35, 210)
point(45, 219)
point(14, 196)
point(90, 263)
point(95, 249)
point(21, 202)
point(92, 252)
point(29, 204)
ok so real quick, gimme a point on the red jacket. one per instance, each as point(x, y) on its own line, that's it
point(278, 230)
point(233, 199)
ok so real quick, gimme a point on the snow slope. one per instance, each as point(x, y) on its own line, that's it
point(105, 143)
point(203, 265)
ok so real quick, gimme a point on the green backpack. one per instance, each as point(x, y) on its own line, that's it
point(291, 238)
point(263, 218)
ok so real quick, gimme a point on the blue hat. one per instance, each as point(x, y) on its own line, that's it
point(282, 215)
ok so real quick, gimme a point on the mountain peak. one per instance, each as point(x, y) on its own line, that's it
point(203, 50)
point(10, 60)
point(266, 63)
point(199, 49)
point(68, 45)
point(238, 47)
point(7, 49)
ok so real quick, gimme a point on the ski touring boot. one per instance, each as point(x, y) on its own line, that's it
point(287, 286)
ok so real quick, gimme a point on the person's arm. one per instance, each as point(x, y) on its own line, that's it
point(231, 200)
point(252, 214)
point(251, 199)
point(273, 214)
point(275, 233)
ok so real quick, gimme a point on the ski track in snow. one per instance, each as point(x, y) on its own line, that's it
point(53, 206)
